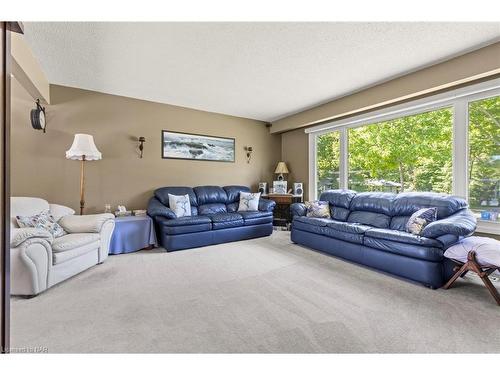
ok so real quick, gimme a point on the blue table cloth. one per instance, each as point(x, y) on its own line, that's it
point(132, 233)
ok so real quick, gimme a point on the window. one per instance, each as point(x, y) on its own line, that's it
point(447, 143)
point(328, 161)
point(411, 153)
point(484, 157)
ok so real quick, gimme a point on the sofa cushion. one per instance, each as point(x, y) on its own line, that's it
point(186, 220)
point(233, 193)
point(349, 227)
point(212, 208)
point(404, 237)
point(380, 203)
point(399, 223)
point(210, 194)
point(373, 219)
point(432, 254)
point(338, 198)
point(63, 256)
point(405, 204)
point(226, 220)
point(73, 240)
point(162, 194)
point(420, 219)
point(256, 217)
point(186, 224)
point(312, 220)
point(324, 229)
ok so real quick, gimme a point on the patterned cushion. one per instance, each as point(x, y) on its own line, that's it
point(180, 205)
point(43, 220)
point(318, 209)
point(249, 201)
point(418, 221)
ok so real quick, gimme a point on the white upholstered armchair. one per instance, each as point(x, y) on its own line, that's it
point(39, 261)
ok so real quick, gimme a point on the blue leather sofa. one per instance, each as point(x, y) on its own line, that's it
point(214, 218)
point(369, 228)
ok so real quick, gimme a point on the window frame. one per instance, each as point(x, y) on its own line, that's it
point(457, 99)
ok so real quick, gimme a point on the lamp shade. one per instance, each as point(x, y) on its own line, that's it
point(281, 168)
point(83, 145)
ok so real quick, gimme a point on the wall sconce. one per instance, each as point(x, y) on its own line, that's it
point(141, 145)
point(249, 151)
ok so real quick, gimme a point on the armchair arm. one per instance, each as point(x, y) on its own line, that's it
point(298, 209)
point(156, 208)
point(266, 205)
point(461, 223)
point(85, 223)
point(20, 235)
point(30, 265)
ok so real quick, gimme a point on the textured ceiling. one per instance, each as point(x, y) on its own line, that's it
point(262, 71)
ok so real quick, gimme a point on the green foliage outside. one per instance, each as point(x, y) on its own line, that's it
point(414, 153)
point(484, 153)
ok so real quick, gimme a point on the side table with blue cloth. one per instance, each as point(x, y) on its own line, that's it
point(132, 233)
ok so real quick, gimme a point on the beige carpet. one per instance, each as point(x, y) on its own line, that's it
point(263, 295)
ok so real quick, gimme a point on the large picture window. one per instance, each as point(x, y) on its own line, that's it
point(328, 161)
point(446, 143)
point(484, 157)
point(411, 153)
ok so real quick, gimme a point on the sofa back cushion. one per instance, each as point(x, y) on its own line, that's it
point(399, 223)
point(162, 194)
point(405, 204)
point(211, 199)
point(372, 208)
point(339, 200)
point(233, 192)
point(369, 218)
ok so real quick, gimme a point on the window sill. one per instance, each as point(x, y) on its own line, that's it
point(489, 227)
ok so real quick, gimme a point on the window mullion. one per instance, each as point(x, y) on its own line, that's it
point(344, 159)
point(460, 148)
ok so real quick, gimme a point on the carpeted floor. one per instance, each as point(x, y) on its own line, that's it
point(263, 295)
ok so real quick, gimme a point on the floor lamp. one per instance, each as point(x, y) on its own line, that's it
point(83, 149)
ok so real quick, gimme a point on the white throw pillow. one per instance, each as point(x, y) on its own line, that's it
point(180, 205)
point(487, 251)
point(249, 201)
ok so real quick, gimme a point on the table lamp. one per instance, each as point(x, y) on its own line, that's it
point(83, 149)
point(280, 169)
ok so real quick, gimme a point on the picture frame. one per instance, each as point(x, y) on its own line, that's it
point(280, 187)
point(192, 146)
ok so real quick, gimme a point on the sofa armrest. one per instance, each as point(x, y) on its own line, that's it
point(266, 205)
point(298, 209)
point(461, 223)
point(30, 266)
point(85, 223)
point(156, 208)
point(20, 235)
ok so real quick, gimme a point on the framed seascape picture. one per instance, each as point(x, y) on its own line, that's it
point(187, 146)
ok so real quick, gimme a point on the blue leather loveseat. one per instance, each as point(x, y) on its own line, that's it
point(369, 228)
point(214, 218)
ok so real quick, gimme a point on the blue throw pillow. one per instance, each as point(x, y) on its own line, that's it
point(420, 219)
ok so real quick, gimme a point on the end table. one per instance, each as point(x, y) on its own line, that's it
point(132, 233)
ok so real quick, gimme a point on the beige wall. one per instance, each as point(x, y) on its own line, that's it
point(295, 154)
point(467, 68)
point(39, 167)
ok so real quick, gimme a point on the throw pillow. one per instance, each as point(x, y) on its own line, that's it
point(318, 209)
point(249, 201)
point(180, 205)
point(487, 251)
point(43, 220)
point(420, 219)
